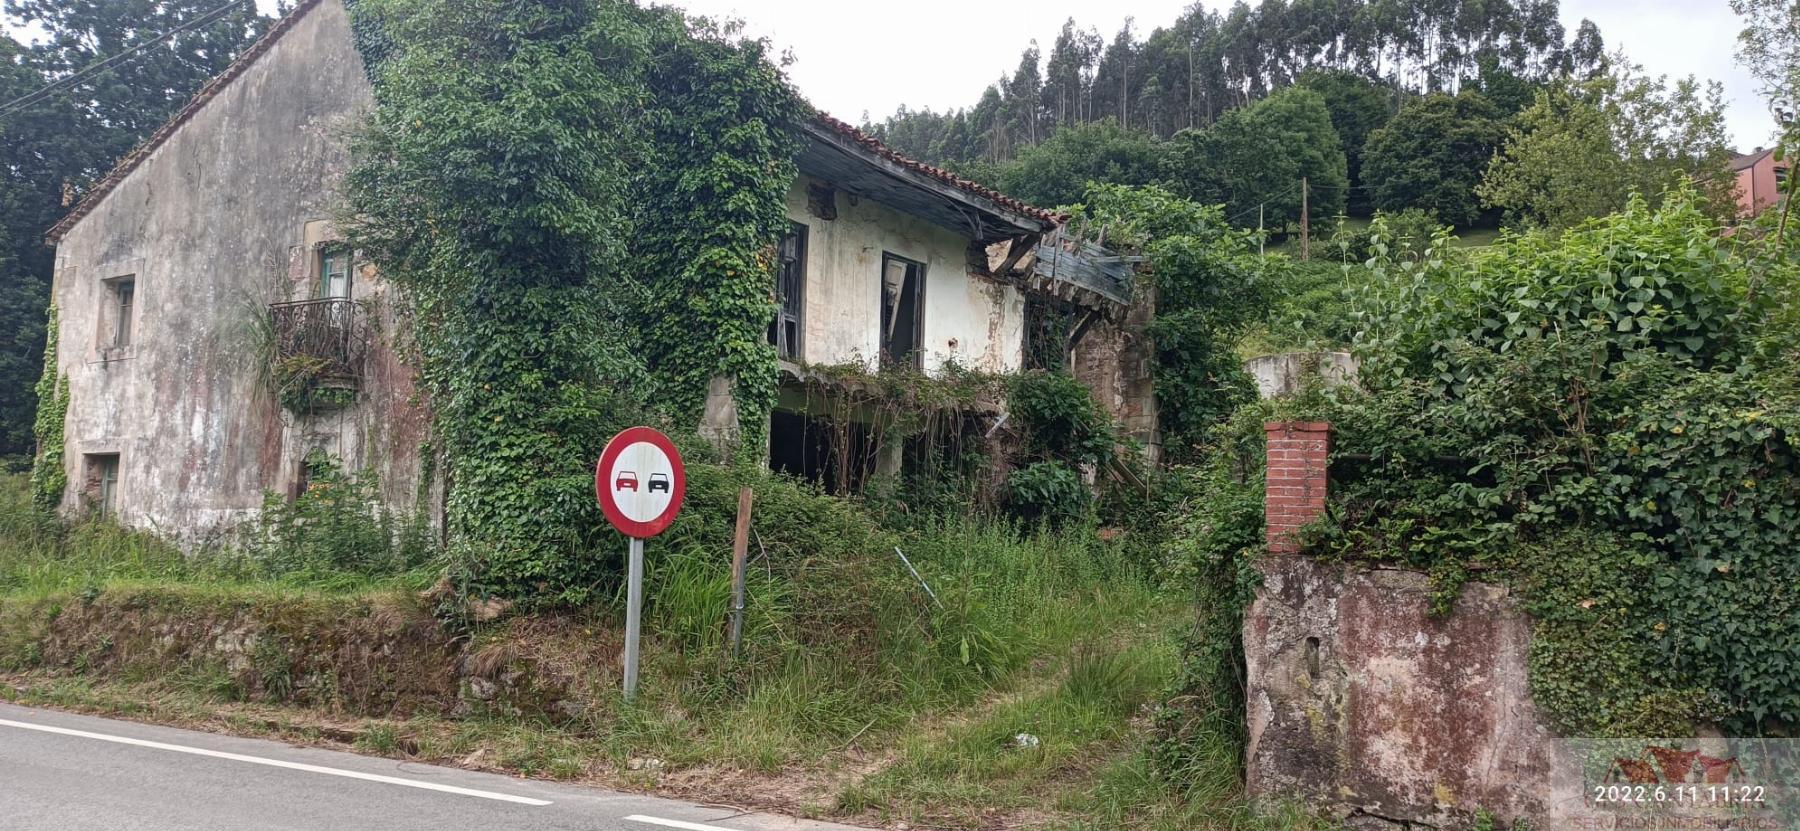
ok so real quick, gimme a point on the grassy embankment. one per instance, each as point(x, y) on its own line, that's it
point(856, 697)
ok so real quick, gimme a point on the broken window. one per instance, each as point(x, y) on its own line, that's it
point(334, 272)
point(100, 490)
point(790, 294)
point(902, 310)
point(1048, 322)
point(124, 292)
point(836, 453)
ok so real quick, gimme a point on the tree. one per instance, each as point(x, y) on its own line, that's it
point(1358, 107)
point(1256, 156)
point(1586, 56)
point(1559, 165)
point(1432, 155)
point(51, 150)
point(1058, 171)
point(1583, 149)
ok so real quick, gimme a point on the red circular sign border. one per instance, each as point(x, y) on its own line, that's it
point(677, 493)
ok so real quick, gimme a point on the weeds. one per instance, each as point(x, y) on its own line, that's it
point(42, 558)
point(1060, 636)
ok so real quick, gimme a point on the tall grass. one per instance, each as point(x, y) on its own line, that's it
point(1061, 636)
point(41, 556)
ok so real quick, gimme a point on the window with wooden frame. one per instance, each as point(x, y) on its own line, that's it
point(335, 271)
point(902, 310)
point(790, 294)
point(101, 489)
point(115, 319)
point(124, 294)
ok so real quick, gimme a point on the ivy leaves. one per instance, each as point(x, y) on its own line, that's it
point(1588, 417)
point(575, 199)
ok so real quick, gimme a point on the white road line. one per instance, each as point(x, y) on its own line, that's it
point(675, 823)
point(258, 760)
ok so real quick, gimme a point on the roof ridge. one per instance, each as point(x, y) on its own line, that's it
point(207, 92)
point(130, 161)
point(876, 146)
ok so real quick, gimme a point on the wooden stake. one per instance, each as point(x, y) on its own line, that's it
point(740, 544)
point(1304, 241)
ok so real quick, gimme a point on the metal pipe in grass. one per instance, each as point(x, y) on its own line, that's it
point(915, 574)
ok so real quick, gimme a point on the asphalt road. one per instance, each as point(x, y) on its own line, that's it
point(67, 772)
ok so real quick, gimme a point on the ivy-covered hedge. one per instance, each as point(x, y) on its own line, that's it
point(1602, 420)
point(539, 179)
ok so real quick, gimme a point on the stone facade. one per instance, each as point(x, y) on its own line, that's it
point(1116, 359)
point(226, 214)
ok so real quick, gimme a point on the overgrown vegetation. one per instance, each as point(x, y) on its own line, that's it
point(1210, 287)
point(49, 478)
point(338, 524)
point(1599, 420)
point(1062, 636)
point(533, 174)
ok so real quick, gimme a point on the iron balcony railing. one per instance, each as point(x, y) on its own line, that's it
point(329, 330)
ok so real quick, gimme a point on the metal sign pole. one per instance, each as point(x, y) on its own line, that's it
point(634, 611)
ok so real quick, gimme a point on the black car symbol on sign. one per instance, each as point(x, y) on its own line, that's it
point(659, 482)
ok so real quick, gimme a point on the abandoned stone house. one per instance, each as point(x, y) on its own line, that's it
point(208, 255)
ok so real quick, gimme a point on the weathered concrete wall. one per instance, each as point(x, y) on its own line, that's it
point(976, 322)
point(1362, 703)
point(1279, 375)
point(219, 221)
point(1115, 359)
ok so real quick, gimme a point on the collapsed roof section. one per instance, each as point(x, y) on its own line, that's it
point(1023, 244)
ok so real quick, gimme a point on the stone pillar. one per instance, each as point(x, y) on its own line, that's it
point(1294, 493)
point(719, 421)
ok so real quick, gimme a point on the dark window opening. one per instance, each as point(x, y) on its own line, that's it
point(100, 490)
point(334, 272)
point(1048, 324)
point(790, 294)
point(902, 310)
point(837, 455)
point(124, 293)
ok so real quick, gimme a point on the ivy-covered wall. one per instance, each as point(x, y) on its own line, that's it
point(541, 179)
point(49, 477)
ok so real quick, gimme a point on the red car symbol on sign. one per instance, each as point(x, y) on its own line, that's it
point(659, 482)
point(627, 480)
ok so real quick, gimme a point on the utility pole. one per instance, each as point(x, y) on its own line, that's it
point(1304, 241)
point(1260, 233)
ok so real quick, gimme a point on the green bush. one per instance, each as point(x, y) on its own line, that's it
point(1585, 418)
point(1060, 418)
point(1049, 491)
point(1404, 234)
point(339, 524)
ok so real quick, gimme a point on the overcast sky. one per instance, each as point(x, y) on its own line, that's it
point(852, 58)
point(857, 57)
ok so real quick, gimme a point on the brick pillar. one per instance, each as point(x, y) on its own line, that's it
point(1294, 493)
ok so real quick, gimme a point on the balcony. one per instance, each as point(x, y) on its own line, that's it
point(319, 350)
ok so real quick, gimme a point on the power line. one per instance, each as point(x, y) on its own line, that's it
point(35, 96)
point(1262, 202)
